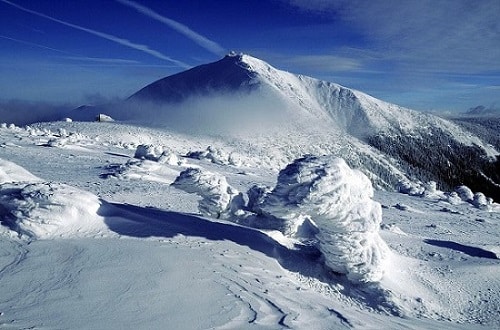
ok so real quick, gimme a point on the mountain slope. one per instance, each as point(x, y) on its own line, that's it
point(222, 76)
point(241, 98)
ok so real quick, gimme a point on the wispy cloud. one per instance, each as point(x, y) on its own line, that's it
point(100, 60)
point(202, 41)
point(324, 63)
point(24, 42)
point(75, 57)
point(452, 35)
point(115, 39)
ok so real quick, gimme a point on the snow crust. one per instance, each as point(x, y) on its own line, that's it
point(105, 233)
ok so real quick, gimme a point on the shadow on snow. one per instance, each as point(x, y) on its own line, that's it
point(143, 222)
point(469, 250)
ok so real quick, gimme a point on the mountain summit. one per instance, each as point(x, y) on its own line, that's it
point(230, 74)
point(244, 98)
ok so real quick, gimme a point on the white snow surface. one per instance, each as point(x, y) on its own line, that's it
point(93, 238)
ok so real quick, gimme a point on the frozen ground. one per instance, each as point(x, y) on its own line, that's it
point(100, 239)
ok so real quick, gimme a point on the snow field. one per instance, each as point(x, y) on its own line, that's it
point(439, 272)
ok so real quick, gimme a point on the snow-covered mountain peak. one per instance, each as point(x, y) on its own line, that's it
point(244, 98)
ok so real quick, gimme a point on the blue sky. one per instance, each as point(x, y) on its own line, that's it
point(434, 55)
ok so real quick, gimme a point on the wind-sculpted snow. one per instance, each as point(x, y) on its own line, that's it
point(10, 172)
point(217, 195)
point(315, 199)
point(186, 271)
point(324, 191)
point(216, 156)
point(157, 154)
point(38, 209)
point(462, 194)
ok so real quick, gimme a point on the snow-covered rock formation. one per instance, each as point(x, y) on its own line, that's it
point(157, 154)
point(324, 192)
point(217, 196)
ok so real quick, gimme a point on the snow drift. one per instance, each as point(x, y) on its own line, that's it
point(325, 192)
point(38, 209)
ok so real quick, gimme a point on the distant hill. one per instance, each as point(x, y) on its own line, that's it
point(482, 110)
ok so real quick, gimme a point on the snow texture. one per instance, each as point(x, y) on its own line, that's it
point(461, 194)
point(200, 273)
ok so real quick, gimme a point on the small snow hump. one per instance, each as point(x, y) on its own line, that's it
point(217, 195)
point(338, 201)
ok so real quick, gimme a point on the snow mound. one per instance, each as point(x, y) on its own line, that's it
point(38, 209)
point(216, 156)
point(142, 169)
point(326, 193)
point(157, 154)
point(462, 194)
point(428, 189)
point(218, 197)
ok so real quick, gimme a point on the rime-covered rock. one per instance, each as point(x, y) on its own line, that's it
point(156, 154)
point(217, 195)
point(325, 193)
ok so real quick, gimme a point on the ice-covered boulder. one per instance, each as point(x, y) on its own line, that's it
point(453, 198)
point(410, 188)
point(103, 118)
point(481, 201)
point(148, 151)
point(217, 195)
point(465, 193)
point(326, 193)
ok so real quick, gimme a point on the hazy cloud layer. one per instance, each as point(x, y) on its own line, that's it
point(202, 41)
point(23, 113)
point(118, 40)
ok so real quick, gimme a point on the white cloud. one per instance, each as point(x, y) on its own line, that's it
point(204, 42)
point(118, 40)
point(100, 60)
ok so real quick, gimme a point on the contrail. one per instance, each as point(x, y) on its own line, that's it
point(123, 42)
point(33, 44)
point(204, 42)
